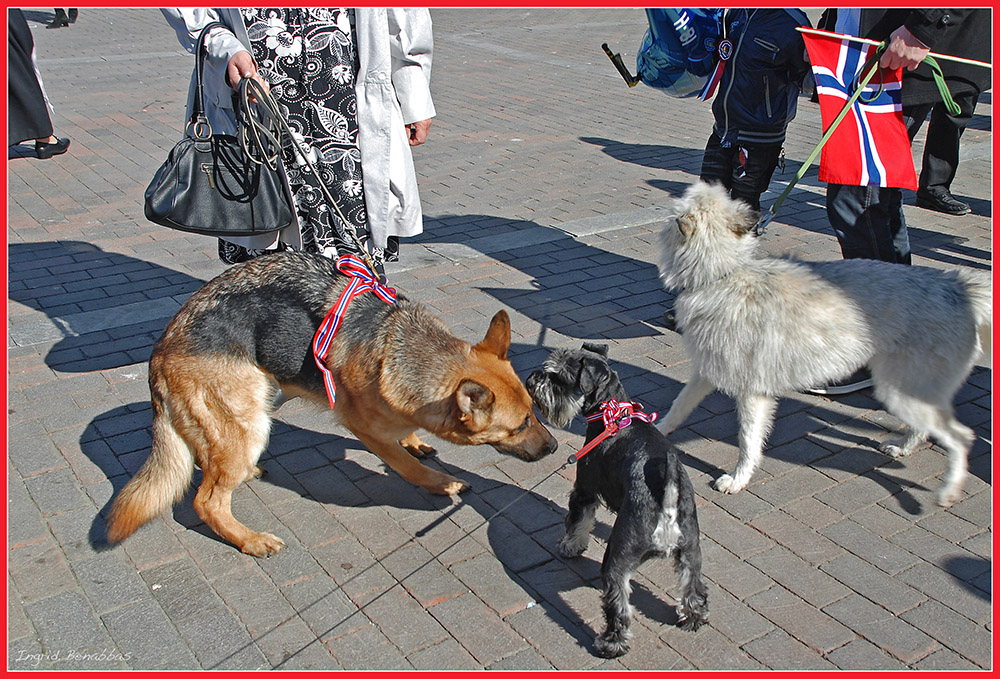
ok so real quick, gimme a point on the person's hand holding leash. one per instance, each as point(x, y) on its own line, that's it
point(242, 66)
point(904, 50)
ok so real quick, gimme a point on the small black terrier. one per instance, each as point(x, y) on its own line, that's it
point(637, 474)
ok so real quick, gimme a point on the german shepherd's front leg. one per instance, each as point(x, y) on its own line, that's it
point(407, 466)
point(415, 446)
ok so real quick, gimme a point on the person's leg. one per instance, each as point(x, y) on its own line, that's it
point(60, 20)
point(717, 163)
point(752, 171)
point(897, 225)
point(941, 155)
point(861, 219)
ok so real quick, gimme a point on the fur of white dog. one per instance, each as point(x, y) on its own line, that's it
point(758, 327)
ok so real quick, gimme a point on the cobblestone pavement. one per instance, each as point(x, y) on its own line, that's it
point(542, 182)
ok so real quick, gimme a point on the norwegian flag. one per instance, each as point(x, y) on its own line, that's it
point(870, 146)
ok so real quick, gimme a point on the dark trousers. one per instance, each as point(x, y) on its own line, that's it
point(744, 170)
point(944, 133)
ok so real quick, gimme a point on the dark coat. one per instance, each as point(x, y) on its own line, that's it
point(27, 114)
point(760, 83)
point(956, 32)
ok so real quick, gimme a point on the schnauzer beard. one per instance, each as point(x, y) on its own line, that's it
point(557, 408)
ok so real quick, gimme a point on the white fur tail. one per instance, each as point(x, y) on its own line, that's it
point(158, 485)
point(979, 287)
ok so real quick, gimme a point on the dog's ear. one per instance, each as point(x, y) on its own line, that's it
point(686, 225)
point(601, 349)
point(474, 401)
point(745, 223)
point(497, 340)
point(591, 378)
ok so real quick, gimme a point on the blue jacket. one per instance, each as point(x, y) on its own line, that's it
point(761, 81)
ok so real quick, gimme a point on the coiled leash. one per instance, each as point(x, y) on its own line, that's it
point(261, 131)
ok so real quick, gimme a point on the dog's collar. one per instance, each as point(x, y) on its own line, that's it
point(616, 416)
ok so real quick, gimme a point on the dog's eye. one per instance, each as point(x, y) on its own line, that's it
point(524, 425)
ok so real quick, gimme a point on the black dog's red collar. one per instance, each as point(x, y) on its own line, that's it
point(616, 416)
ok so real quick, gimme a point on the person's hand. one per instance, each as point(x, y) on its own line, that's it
point(903, 50)
point(416, 133)
point(243, 66)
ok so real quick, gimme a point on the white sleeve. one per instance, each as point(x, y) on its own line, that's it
point(221, 43)
point(411, 41)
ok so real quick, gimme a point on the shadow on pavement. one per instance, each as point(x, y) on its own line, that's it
point(579, 290)
point(105, 310)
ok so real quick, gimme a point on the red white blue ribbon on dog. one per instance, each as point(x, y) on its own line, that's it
point(362, 280)
point(616, 416)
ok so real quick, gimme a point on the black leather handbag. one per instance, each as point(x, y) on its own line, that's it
point(211, 184)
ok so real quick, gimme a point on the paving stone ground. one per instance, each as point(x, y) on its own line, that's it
point(543, 182)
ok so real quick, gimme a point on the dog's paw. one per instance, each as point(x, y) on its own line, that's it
point(415, 447)
point(451, 486)
point(894, 449)
point(570, 548)
point(946, 497)
point(728, 484)
point(263, 544)
point(691, 623)
point(611, 645)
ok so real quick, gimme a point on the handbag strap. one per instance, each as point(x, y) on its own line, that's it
point(200, 127)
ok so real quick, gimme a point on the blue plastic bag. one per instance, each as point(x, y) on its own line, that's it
point(677, 54)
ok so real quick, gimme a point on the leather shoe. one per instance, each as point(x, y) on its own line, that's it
point(45, 150)
point(940, 199)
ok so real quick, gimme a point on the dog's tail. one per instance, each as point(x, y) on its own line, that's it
point(158, 485)
point(979, 288)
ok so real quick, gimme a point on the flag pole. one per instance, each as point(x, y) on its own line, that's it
point(867, 41)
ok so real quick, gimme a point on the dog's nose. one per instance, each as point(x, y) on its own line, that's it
point(553, 444)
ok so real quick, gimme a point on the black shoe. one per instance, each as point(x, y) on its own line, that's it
point(862, 379)
point(73, 13)
point(59, 21)
point(45, 150)
point(940, 199)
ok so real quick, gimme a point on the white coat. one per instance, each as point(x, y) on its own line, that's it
point(393, 90)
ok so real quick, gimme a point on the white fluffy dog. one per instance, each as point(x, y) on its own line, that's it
point(759, 327)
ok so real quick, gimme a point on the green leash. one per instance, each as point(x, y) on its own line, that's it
point(872, 67)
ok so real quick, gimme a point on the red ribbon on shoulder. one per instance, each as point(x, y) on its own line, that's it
point(725, 50)
point(362, 280)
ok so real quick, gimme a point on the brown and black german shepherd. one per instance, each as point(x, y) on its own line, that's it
point(215, 376)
